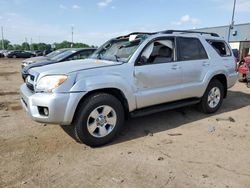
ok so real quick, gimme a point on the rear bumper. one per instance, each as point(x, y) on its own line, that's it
point(61, 106)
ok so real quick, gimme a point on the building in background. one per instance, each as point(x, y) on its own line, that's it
point(239, 36)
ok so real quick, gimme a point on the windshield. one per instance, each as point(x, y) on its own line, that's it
point(52, 54)
point(63, 55)
point(119, 49)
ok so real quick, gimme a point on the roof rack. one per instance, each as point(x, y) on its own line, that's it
point(188, 31)
point(137, 33)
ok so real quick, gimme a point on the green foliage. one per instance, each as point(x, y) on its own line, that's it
point(5, 42)
point(43, 46)
point(17, 47)
point(67, 44)
point(25, 46)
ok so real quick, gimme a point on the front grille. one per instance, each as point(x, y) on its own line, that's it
point(30, 82)
point(30, 86)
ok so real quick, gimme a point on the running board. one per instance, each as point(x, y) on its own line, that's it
point(164, 107)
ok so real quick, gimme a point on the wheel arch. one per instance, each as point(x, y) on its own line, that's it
point(112, 91)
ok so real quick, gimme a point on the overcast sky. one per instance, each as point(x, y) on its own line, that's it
point(96, 21)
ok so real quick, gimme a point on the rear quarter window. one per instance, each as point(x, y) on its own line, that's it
point(190, 49)
point(220, 47)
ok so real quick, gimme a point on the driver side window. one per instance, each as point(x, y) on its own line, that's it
point(159, 51)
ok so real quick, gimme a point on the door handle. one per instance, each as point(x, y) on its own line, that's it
point(175, 67)
point(205, 63)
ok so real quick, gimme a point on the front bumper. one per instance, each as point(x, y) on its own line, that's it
point(61, 106)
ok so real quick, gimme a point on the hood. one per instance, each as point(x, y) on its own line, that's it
point(72, 66)
point(35, 59)
point(38, 64)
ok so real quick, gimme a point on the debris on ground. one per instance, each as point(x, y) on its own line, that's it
point(5, 116)
point(205, 176)
point(226, 119)
point(160, 159)
point(129, 152)
point(174, 134)
point(166, 141)
point(24, 182)
point(211, 128)
point(3, 106)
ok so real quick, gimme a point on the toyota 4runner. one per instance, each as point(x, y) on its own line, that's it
point(128, 76)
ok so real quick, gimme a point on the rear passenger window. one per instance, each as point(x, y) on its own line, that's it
point(220, 47)
point(190, 49)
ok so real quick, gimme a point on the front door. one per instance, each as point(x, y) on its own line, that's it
point(157, 75)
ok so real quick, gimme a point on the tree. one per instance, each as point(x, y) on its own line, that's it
point(67, 44)
point(34, 46)
point(5, 43)
point(25, 46)
point(17, 47)
point(10, 47)
point(43, 46)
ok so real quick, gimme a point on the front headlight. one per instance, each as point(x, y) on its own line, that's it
point(48, 83)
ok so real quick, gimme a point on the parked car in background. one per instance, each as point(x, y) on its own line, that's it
point(37, 52)
point(68, 55)
point(6, 52)
point(131, 76)
point(20, 54)
point(1, 53)
point(43, 58)
point(45, 52)
point(244, 67)
point(236, 54)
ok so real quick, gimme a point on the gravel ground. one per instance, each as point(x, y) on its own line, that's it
point(178, 148)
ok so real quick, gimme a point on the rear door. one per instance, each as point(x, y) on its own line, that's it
point(195, 64)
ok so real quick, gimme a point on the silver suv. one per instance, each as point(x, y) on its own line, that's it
point(128, 76)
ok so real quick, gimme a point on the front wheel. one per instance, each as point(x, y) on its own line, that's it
point(212, 98)
point(98, 120)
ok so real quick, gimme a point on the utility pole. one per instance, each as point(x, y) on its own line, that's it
point(2, 38)
point(232, 22)
point(31, 43)
point(72, 36)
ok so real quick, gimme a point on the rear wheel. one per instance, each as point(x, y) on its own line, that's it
point(212, 98)
point(98, 120)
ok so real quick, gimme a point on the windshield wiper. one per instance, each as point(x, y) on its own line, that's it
point(117, 58)
point(98, 56)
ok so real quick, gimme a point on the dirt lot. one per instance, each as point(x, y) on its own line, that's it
point(180, 148)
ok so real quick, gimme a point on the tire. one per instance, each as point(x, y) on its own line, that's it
point(91, 123)
point(212, 107)
point(14, 56)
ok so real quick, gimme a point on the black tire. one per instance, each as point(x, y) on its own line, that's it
point(14, 56)
point(203, 105)
point(86, 107)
